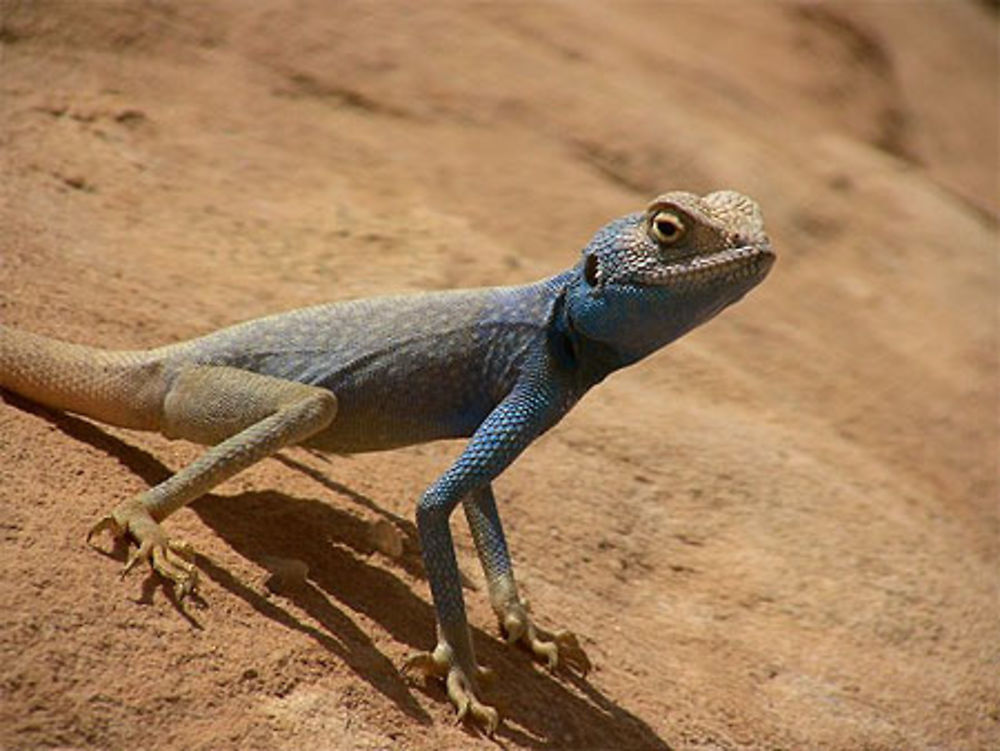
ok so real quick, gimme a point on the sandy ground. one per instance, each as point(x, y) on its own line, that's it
point(780, 533)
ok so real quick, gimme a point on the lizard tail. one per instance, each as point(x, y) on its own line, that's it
point(123, 388)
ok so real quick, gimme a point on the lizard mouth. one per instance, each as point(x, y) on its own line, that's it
point(731, 264)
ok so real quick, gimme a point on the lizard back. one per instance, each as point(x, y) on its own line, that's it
point(405, 369)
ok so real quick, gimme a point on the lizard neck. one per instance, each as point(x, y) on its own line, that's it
point(592, 360)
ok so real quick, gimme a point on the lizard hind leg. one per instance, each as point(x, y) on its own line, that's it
point(249, 417)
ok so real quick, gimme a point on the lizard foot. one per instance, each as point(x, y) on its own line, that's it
point(460, 685)
point(559, 648)
point(171, 559)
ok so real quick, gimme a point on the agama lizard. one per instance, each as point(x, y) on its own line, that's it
point(500, 365)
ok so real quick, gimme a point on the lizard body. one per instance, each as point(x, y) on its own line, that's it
point(496, 365)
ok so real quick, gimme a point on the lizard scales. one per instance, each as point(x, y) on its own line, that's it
point(498, 365)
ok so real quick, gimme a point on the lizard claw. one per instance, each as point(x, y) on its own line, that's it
point(568, 650)
point(560, 648)
point(108, 524)
point(171, 559)
point(461, 688)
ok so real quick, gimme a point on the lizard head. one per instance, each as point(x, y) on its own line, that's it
point(648, 277)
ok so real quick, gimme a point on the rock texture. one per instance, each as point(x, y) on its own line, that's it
point(780, 533)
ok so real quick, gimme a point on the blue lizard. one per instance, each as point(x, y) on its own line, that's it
point(500, 364)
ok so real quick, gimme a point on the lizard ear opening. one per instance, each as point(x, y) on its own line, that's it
point(591, 270)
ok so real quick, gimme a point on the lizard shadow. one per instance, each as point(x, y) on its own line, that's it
point(544, 711)
point(338, 633)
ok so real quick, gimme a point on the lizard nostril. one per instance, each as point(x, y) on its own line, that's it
point(591, 270)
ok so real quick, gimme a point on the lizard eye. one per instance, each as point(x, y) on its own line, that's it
point(666, 228)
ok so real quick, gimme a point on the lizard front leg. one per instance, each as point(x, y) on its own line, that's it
point(249, 416)
point(528, 409)
point(453, 659)
point(512, 612)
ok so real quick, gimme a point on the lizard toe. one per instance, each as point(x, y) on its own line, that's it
point(171, 559)
point(555, 649)
point(425, 665)
point(463, 696)
point(171, 562)
point(570, 653)
point(105, 524)
point(460, 686)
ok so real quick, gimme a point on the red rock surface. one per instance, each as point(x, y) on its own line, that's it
point(780, 533)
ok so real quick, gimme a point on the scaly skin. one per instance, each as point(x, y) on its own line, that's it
point(500, 365)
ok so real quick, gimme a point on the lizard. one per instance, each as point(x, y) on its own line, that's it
point(496, 365)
